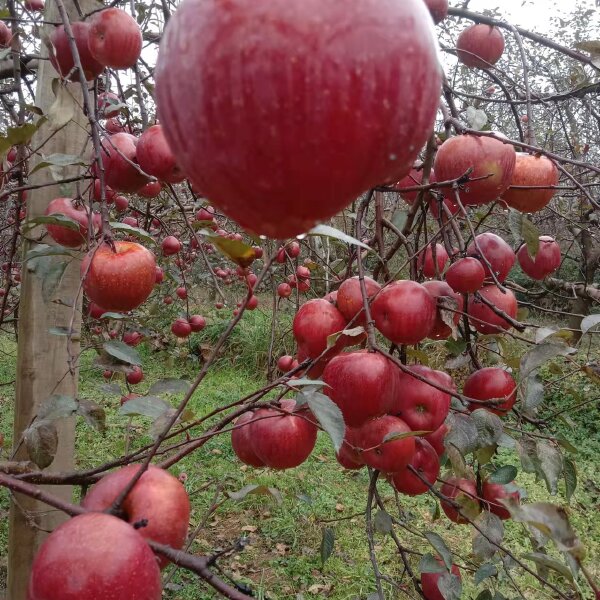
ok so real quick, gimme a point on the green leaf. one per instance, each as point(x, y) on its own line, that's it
point(146, 406)
point(456, 347)
point(57, 406)
point(439, 545)
point(137, 232)
point(546, 561)
point(327, 544)
point(239, 252)
point(382, 522)
point(122, 352)
point(523, 229)
point(51, 280)
point(429, 564)
point(552, 521)
point(534, 394)
point(570, 476)
point(485, 595)
point(63, 331)
point(503, 475)
point(53, 219)
point(589, 322)
point(450, 586)
point(59, 160)
point(489, 427)
point(47, 250)
point(392, 437)
point(550, 464)
point(463, 433)
point(332, 232)
point(169, 386)
point(542, 353)
point(41, 441)
point(485, 571)
point(485, 546)
point(62, 109)
point(327, 413)
point(262, 490)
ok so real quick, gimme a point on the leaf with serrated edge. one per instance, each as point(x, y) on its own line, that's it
point(542, 353)
point(485, 571)
point(439, 545)
point(428, 564)
point(328, 414)
point(450, 586)
point(121, 351)
point(503, 475)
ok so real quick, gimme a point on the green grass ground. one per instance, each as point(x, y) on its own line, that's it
point(281, 558)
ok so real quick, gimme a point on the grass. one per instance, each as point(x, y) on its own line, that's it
point(282, 531)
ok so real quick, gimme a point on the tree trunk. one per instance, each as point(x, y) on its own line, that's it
point(42, 368)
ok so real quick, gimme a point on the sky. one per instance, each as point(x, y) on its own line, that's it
point(534, 14)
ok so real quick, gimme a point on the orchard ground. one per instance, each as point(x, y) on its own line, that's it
point(283, 529)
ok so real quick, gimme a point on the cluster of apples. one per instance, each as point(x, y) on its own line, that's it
point(98, 555)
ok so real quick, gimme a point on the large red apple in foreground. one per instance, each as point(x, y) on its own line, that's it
point(480, 46)
point(242, 443)
point(158, 499)
point(155, 157)
point(72, 238)
point(429, 583)
point(488, 157)
point(531, 170)
point(362, 384)
point(120, 163)
point(496, 251)
point(404, 312)
point(426, 462)
point(62, 59)
point(314, 322)
point(282, 440)
point(546, 261)
point(115, 38)
point(379, 453)
point(422, 406)
point(306, 104)
point(491, 383)
point(119, 280)
point(95, 556)
point(485, 320)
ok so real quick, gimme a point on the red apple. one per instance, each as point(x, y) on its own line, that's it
point(546, 261)
point(480, 46)
point(34, 5)
point(531, 170)
point(5, 36)
point(350, 299)
point(284, 364)
point(114, 126)
point(293, 249)
point(282, 175)
point(496, 251)
point(379, 453)
point(115, 38)
point(96, 311)
point(197, 322)
point(207, 213)
point(491, 383)
point(155, 158)
point(157, 498)
point(428, 265)
point(438, 9)
point(109, 193)
point(119, 160)
point(314, 322)
point(106, 105)
point(349, 455)
point(414, 178)
point(132, 338)
point(241, 442)
point(464, 492)
point(181, 292)
point(181, 328)
point(121, 203)
point(62, 59)
point(135, 375)
point(486, 156)
point(484, 319)
point(404, 312)
point(438, 289)
point(171, 245)
point(426, 462)
point(302, 273)
point(252, 303)
point(284, 290)
point(72, 238)
point(492, 493)
point(466, 275)
point(429, 583)
point(150, 190)
point(160, 275)
point(420, 405)
point(119, 280)
point(282, 440)
point(74, 562)
point(436, 439)
point(363, 385)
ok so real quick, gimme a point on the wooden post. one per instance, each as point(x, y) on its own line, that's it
point(42, 367)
